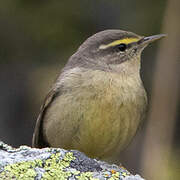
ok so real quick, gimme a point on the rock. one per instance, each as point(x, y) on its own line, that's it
point(55, 163)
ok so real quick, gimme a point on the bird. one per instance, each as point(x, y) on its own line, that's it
point(98, 101)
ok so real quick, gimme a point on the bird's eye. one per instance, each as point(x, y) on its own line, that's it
point(121, 47)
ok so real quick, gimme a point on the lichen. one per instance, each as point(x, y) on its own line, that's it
point(55, 168)
point(27, 163)
point(21, 170)
point(52, 166)
point(85, 176)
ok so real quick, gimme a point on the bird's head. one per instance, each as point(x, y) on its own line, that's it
point(112, 50)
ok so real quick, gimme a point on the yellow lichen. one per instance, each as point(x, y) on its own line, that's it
point(85, 176)
point(54, 168)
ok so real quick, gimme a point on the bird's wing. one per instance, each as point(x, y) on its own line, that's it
point(38, 140)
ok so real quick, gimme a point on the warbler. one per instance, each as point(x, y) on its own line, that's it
point(98, 101)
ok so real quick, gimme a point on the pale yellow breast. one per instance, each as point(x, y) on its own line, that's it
point(100, 115)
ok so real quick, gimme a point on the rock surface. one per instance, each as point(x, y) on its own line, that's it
point(55, 163)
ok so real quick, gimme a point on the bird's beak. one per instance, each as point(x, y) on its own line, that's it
point(147, 40)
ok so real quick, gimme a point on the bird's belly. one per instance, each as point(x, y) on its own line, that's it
point(98, 117)
point(106, 127)
point(95, 125)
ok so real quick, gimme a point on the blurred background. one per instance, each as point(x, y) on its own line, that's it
point(38, 36)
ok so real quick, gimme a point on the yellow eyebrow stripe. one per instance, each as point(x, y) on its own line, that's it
point(114, 43)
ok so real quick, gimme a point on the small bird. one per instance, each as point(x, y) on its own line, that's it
point(98, 100)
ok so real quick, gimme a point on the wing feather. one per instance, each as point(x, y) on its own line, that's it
point(38, 140)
